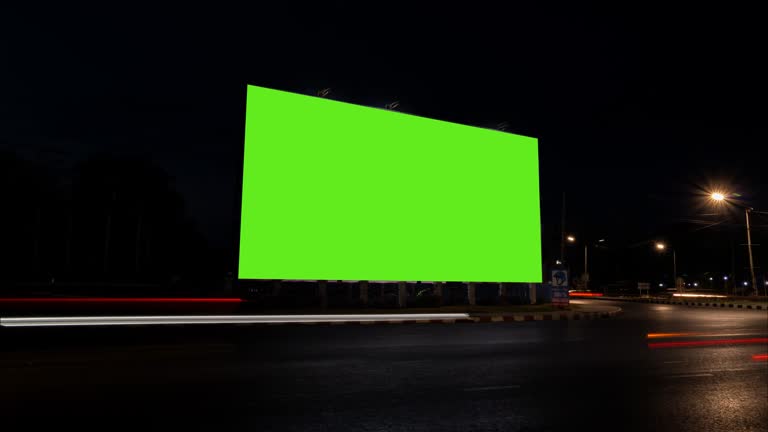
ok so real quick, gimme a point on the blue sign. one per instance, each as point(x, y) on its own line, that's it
point(560, 295)
point(560, 278)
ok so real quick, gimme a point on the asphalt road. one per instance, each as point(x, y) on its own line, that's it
point(524, 376)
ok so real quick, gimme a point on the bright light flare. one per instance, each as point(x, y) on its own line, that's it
point(760, 357)
point(571, 238)
point(717, 196)
point(660, 246)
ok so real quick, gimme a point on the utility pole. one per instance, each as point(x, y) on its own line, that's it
point(108, 231)
point(562, 232)
point(586, 269)
point(674, 269)
point(68, 248)
point(38, 234)
point(749, 247)
point(733, 269)
point(137, 249)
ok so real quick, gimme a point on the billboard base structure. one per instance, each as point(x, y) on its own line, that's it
point(303, 294)
point(363, 292)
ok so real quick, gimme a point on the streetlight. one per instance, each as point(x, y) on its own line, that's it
point(572, 239)
point(719, 197)
point(661, 247)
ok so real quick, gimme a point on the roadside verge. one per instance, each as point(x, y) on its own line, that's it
point(715, 303)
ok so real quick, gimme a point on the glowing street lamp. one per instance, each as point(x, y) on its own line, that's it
point(661, 247)
point(718, 198)
point(572, 239)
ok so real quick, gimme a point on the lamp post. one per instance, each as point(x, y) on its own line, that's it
point(661, 247)
point(572, 239)
point(586, 268)
point(719, 197)
point(749, 248)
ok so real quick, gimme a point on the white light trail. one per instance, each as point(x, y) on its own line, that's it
point(216, 319)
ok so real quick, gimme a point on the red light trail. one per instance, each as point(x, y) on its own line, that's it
point(76, 300)
point(707, 343)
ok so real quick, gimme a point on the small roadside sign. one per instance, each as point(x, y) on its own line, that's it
point(644, 286)
point(560, 278)
point(560, 288)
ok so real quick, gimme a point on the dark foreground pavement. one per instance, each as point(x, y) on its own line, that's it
point(533, 376)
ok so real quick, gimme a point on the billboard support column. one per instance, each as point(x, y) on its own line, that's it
point(322, 291)
point(437, 291)
point(472, 293)
point(363, 292)
point(502, 290)
point(532, 292)
point(276, 287)
point(401, 293)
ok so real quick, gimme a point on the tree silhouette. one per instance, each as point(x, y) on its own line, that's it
point(109, 219)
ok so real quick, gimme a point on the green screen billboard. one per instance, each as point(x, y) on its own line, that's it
point(336, 191)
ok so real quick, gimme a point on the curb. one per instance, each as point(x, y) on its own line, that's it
point(487, 318)
point(713, 304)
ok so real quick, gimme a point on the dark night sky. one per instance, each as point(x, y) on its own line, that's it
point(636, 109)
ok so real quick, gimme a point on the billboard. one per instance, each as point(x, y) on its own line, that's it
point(337, 191)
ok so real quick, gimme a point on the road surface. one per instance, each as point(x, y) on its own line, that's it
point(597, 375)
